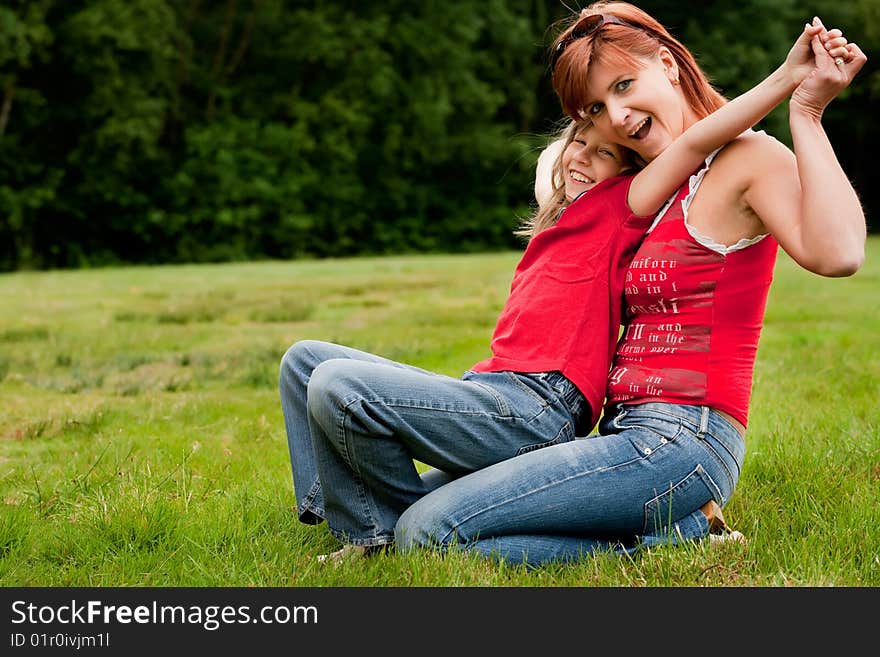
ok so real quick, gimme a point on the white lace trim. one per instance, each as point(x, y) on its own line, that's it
point(693, 186)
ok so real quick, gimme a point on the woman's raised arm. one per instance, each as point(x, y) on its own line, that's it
point(810, 205)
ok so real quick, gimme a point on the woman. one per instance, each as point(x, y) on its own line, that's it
point(672, 437)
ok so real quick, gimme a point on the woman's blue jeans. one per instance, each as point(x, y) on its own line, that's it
point(638, 482)
point(356, 421)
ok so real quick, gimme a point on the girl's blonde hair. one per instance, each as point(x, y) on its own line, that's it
point(626, 34)
point(547, 213)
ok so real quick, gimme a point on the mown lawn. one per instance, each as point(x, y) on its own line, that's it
point(141, 440)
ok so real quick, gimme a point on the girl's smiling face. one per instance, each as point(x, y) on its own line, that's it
point(589, 159)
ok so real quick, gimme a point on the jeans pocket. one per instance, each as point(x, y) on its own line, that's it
point(523, 397)
point(518, 397)
point(681, 499)
point(648, 440)
point(479, 379)
point(535, 389)
point(661, 425)
point(564, 435)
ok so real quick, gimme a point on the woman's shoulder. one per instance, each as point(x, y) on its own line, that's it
point(754, 152)
point(756, 143)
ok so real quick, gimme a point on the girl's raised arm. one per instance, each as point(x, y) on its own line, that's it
point(662, 176)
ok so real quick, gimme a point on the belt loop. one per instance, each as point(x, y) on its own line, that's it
point(704, 421)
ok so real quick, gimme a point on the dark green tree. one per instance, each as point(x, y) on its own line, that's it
point(196, 130)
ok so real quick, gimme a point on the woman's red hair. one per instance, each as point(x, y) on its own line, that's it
point(621, 45)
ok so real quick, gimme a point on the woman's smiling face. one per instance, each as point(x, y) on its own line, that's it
point(639, 107)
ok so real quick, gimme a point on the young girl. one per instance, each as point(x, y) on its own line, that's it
point(355, 421)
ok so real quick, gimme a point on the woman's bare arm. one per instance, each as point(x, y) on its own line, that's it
point(809, 205)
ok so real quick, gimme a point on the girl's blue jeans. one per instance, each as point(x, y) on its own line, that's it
point(355, 422)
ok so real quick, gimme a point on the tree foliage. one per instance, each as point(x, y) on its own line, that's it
point(197, 130)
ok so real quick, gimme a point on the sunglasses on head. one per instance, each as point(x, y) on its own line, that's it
point(585, 27)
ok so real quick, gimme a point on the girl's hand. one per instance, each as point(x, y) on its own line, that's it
point(835, 67)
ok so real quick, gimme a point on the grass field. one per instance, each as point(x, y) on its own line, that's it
point(141, 439)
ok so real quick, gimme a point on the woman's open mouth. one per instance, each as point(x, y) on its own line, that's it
point(642, 129)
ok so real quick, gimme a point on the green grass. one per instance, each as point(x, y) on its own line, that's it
point(141, 439)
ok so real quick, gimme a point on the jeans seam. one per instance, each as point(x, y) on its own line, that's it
point(685, 421)
point(358, 480)
point(727, 423)
point(713, 454)
point(308, 501)
point(670, 437)
point(727, 449)
point(381, 539)
point(504, 412)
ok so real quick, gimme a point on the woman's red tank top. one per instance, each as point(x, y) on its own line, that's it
point(693, 315)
